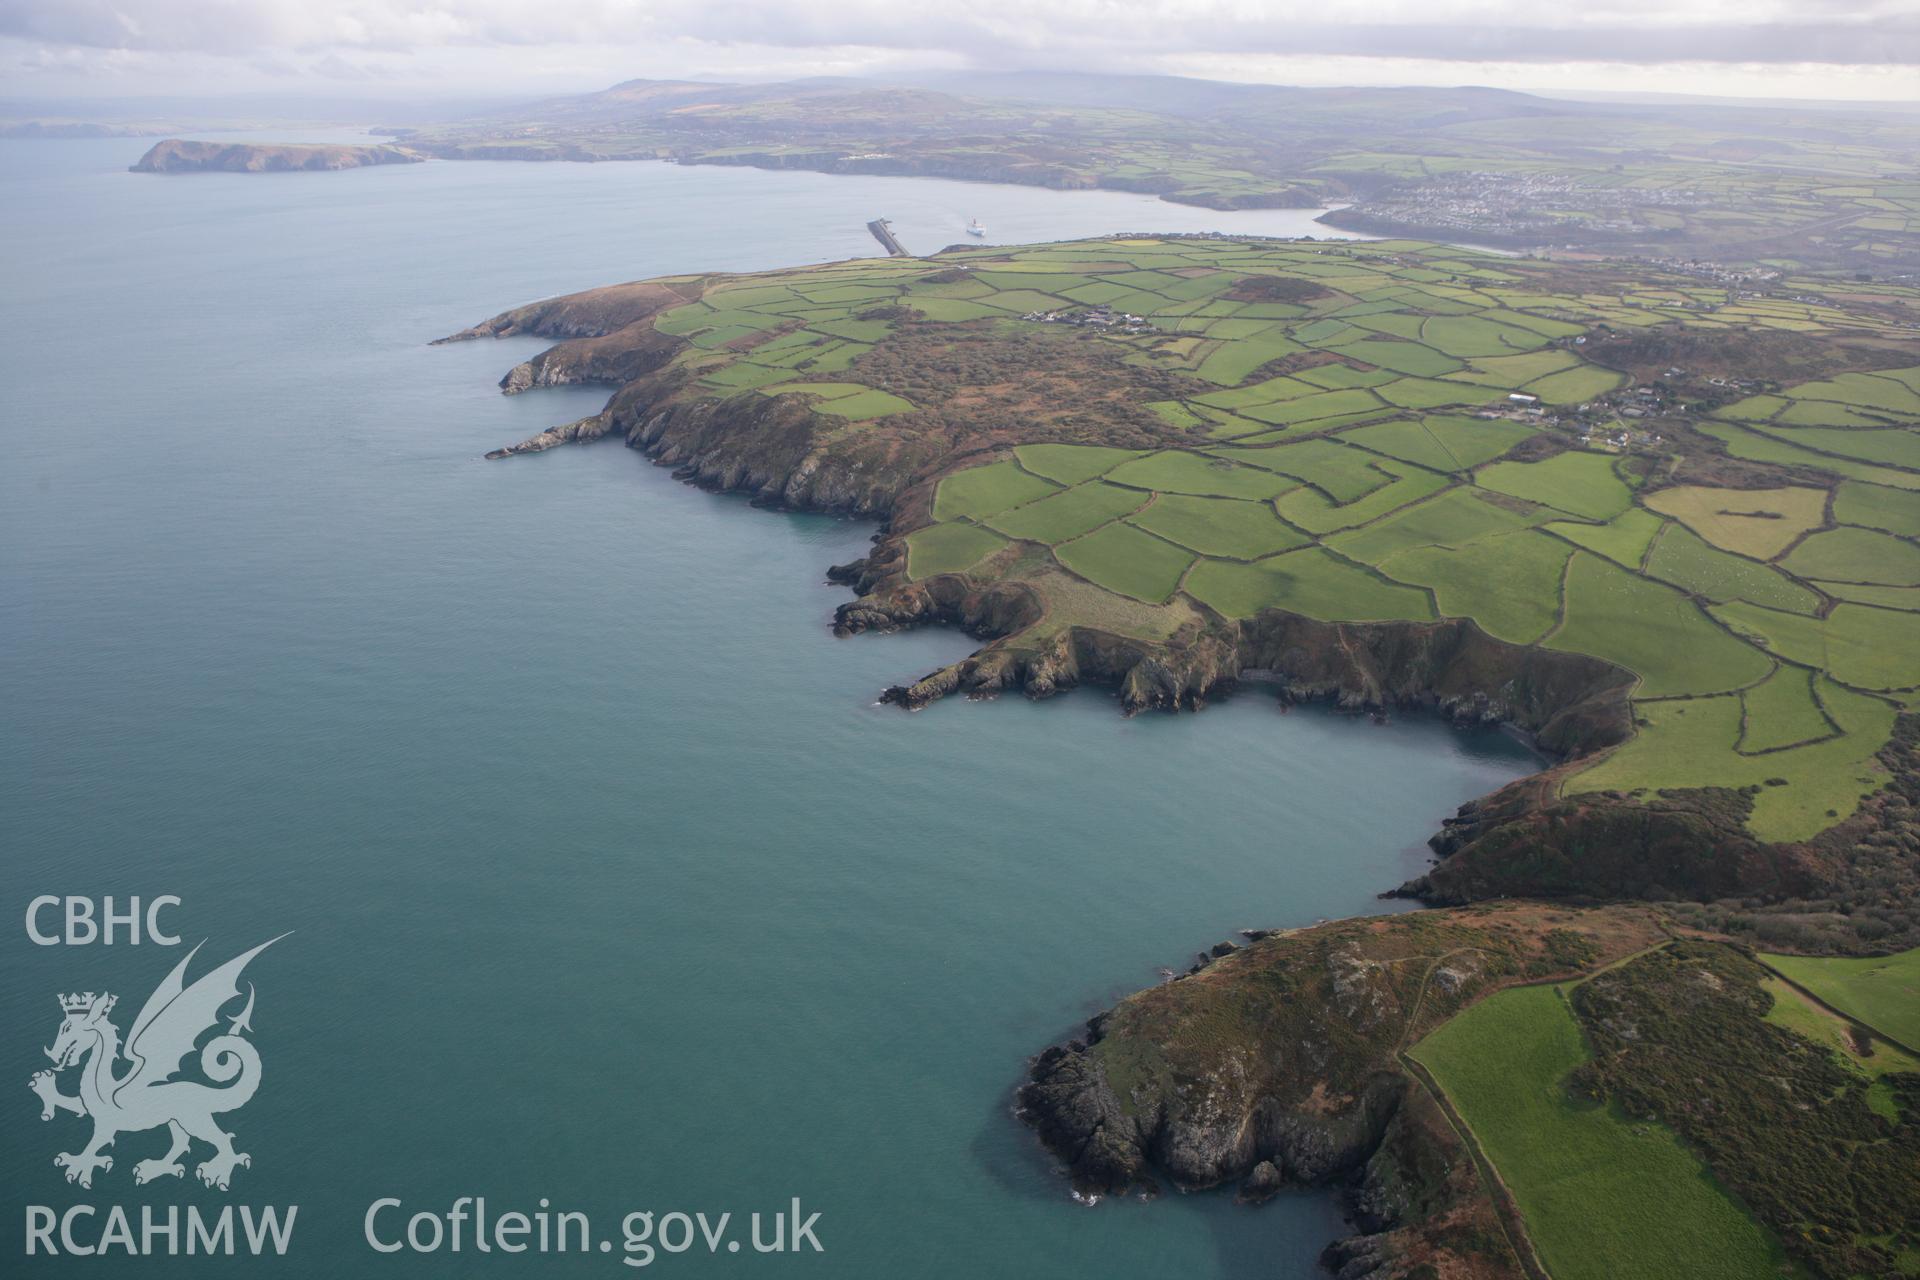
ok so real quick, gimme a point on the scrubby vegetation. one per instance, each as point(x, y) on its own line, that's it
point(1683, 1036)
point(1603, 1196)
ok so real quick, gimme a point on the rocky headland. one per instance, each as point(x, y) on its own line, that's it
point(1277, 1063)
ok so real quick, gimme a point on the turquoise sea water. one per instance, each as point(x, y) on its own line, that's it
point(608, 881)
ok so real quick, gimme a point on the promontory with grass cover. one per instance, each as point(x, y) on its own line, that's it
point(1667, 525)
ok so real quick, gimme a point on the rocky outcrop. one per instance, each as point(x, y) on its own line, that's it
point(591, 427)
point(614, 360)
point(1148, 676)
point(176, 155)
point(1420, 1207)
point(771, 448)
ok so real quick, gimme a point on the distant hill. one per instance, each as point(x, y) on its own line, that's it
point(1810, 187)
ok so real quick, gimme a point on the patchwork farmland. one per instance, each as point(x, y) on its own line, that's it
point(1714, 488)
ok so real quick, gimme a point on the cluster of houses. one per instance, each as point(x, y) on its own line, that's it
point(1600, 422)
point(1521, 204)
point(1733, 277)
point(1101, 317)
point(1616, 437)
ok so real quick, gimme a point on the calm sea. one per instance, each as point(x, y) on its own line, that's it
point(608, 884)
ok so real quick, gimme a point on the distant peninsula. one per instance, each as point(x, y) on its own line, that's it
point(177, 155)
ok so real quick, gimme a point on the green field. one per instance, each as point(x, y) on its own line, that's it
point(1181, 472)
point(1224, 527)
point(1509, 584)
point(1310, 581)
point(1623, 539)
point(1651, 630)
point(1868, 647)
point(1580, 484)
point(1877, 507)
point(1602, 1196)
point(1685, 559)
point(1452, 518)
point(1907, 598)
point(1743, 443)
point(1760, 523)
point(1881, 991)
point(1506, 372)
point(1572, 386)
point(1343, 474)
point(1071, 463)
point(866, 406)
point(988, 490)
point(1781, 711)
point(1068, 513)
point(1122, 558)
point(1316, 514)
point(1443, 443)
point(949, 548)
point(1402, 357)
point(1857, 555)
point(1692, 742)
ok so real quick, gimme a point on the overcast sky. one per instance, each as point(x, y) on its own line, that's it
point(1859, 49)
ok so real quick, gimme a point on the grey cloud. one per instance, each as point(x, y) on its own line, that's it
point(1067, 32)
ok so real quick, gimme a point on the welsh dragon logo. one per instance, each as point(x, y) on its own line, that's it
point(146, 1095)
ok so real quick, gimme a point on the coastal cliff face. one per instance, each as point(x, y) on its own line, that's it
point(1277, 1064)
point(176, 155)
